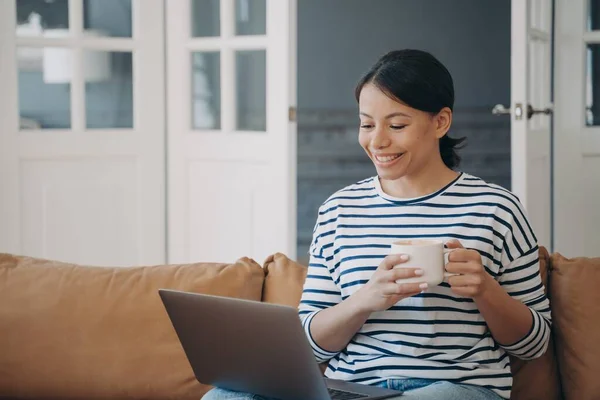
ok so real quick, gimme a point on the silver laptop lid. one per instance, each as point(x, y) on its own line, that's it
point(246, 346)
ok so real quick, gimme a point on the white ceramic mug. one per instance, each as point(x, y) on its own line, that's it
point(427, 255)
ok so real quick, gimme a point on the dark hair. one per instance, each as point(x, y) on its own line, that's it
point(418, 79)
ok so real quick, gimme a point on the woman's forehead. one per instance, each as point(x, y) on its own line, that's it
point(374, 99)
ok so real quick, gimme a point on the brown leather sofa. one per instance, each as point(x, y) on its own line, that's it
point(75, 332)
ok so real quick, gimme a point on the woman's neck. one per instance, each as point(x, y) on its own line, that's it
point(427, 180)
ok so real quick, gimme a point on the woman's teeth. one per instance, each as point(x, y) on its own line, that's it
point(387, 158)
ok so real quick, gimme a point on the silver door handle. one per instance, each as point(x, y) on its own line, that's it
point(499, 109)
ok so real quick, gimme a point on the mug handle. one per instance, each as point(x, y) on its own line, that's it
point(446, 253)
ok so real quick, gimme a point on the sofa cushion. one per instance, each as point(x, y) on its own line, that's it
point(542, 369)
point(70, 331)
point(284, 280)
point(575, 309)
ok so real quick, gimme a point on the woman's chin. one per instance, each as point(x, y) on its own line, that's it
point(389, 175)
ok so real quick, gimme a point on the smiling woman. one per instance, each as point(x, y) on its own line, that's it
point(405, 117)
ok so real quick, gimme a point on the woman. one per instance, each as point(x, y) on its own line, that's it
point(450, 341)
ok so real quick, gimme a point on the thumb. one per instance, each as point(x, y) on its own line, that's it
point(453, 244)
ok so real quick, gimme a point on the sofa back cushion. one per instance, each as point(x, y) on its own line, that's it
point(542, 370)
point(575, 299)
point(284, 280)
point(70, 331)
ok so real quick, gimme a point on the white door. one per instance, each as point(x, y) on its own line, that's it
point(531, 168)
point(577, 128)
point(82, 130)
point(231, 130)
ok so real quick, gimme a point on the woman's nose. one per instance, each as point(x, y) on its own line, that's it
point(379, 139)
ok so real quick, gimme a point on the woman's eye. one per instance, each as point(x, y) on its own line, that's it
point(398, 127)
point(366, 126)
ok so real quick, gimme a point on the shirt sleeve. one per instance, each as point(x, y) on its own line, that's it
point(522, 281)
point(319, 291)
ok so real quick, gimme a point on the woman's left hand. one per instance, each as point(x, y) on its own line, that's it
point(473, 280)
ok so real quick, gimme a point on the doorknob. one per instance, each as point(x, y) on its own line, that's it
point(499, 109)
point(533, 111)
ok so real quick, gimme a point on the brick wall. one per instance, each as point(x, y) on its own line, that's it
point(329, 156)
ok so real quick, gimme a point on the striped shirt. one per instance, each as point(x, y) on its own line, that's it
point(436, 334)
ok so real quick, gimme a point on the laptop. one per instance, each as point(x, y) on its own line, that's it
point(254, 347)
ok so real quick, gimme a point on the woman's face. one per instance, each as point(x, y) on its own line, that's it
point(400, 140)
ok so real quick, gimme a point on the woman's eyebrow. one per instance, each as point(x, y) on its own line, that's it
point(394, 114)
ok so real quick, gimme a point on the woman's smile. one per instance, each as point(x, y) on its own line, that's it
point(386, 160)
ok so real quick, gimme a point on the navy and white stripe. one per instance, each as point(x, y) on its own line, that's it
point(436, 334)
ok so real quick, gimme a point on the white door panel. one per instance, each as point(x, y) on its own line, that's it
point(72, 201)
point(231, 146)
point(577, 130)
point(92, 190)
point(237, 213)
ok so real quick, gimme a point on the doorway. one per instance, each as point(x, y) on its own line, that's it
point(472, 38)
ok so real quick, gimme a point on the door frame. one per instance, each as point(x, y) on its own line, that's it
point(531, 137)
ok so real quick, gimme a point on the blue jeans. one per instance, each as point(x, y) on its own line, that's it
point(414, 389)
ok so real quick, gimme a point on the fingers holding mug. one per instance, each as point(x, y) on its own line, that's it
point(402, 273)
point(447, 263)
point(392, 260)
point(405, 289)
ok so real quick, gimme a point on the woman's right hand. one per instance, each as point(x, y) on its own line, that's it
point(382, 291)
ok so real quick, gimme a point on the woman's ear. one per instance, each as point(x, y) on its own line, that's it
point(443, 120)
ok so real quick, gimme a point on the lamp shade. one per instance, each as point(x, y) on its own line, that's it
point(58, 61)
